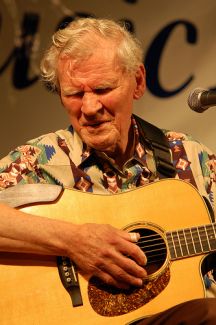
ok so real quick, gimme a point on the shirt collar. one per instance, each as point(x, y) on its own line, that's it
point(89, 154)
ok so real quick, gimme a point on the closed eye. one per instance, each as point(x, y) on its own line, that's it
point(79, 94)
point(102, 91)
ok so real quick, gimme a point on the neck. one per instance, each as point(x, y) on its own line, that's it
point(121, 156)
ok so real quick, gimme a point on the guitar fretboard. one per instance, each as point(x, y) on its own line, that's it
point(191, 241)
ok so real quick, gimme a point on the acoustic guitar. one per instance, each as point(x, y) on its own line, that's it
point(176, 234)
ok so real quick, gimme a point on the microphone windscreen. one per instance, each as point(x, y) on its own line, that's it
point(194, 98)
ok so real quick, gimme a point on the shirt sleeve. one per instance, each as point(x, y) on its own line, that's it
point(203, 166)
point(195, 163)
point(20, 166)
point(46, 159)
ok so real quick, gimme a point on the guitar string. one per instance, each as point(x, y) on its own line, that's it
point(178, 245)
point(193, 240)
point(196, 229)
point(155, 258)
point(144, 248)
point(178, 241)
point(183, 230)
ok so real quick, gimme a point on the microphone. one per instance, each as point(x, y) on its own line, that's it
point(199, 100)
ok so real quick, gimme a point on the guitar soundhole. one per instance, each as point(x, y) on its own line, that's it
point(154, 247)
point(110, 301)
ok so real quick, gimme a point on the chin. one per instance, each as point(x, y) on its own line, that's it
point(102, 143)
point(107, 147)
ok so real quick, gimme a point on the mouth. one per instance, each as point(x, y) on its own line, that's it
point(95, 124)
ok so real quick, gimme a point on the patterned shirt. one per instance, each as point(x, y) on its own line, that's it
point(62, 158)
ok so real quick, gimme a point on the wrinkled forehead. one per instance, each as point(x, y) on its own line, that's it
point(87, 45)
point(103, 58)
point(94, 60)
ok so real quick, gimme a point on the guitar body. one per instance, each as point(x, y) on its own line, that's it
point(30, 287)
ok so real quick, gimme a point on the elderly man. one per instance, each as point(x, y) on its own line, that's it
point(96, 68)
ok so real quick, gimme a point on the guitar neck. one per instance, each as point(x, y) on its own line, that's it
point(191, 241)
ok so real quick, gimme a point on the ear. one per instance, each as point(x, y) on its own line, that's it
point(140, 77)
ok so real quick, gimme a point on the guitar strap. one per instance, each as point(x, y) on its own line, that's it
point(156, 141)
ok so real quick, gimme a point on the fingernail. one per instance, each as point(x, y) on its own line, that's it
point(134, 237)
point(139, 282)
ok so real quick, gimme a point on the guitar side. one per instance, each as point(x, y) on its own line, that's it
point(34, 294)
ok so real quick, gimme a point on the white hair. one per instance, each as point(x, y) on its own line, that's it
point(80, 38)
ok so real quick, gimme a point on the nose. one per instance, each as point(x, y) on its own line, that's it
point(90, 103)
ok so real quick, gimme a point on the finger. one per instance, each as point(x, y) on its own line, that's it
point(111, 281)
point(137, 254)
point(130, 266)
point(132, 250)
point(123, 267)
point(134, 236)
point(119, 278)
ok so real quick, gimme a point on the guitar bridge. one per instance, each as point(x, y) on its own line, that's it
point(69, 279)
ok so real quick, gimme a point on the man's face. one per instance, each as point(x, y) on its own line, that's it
point(98, 97)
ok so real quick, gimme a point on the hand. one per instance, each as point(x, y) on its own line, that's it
point(109, 254)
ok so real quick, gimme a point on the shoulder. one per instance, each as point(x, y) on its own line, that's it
point(192, 156)
point(178, 136)
point(40, 159)
point(52, 138)
point(193, 149)
point(43, 148)
point(190, 144)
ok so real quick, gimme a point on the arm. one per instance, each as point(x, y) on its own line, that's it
point(104, 254)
